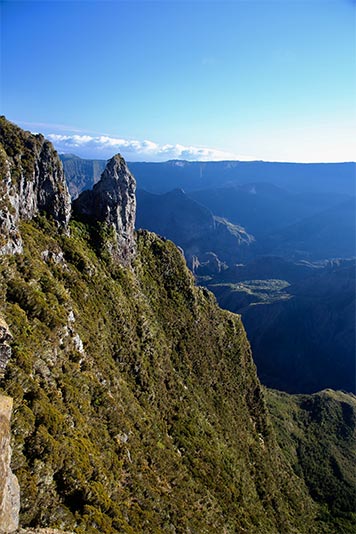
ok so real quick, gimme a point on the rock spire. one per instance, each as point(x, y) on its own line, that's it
point(112, 201)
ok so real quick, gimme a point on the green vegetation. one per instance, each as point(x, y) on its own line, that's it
point(20, 147)
point(237, 296)
point(317, 436)
point(136, 402)
point(137, 407)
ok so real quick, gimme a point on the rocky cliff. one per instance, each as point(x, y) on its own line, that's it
point(81, 174)
point(9, 487)
point(32, 181)
point(5, 349)
point(112, 201)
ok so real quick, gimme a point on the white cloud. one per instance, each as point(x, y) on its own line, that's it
point(104, 146)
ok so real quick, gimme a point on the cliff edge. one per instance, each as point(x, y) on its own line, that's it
point(31, 181)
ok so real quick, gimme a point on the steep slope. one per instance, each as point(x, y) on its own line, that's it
point(137, 406)
point(317, 434)
point(192, 227)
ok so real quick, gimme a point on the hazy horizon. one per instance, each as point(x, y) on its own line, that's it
point(210, 161)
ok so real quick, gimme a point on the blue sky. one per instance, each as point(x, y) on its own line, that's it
point(194, 79)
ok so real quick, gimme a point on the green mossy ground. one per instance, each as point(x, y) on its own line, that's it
point(144, 413)
point(20, 147)
point(317, 434)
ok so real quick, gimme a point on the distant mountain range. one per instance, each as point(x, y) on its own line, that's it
point(194, 175)
point(207, 240)
point(295, 177)
point(306, 226)
point(311, 217)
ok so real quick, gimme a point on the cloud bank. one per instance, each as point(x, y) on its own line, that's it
point(103, 147)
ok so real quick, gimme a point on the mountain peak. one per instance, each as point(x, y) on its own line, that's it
point(112, 201)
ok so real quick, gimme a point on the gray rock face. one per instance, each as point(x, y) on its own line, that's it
point(31, 181)
point(10, 238)
point(9, 487)
point(5, 349)
point(112, 201)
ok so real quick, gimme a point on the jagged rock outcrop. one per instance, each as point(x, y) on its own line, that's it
point(208, 264)
point(112, 201)
point(9, 487)
point(31, 181)
point(5, 349)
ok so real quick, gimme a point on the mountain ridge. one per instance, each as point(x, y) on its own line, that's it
point(188, 175)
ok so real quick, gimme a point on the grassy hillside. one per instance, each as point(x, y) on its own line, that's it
point(318, 438)
point(137, 406)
